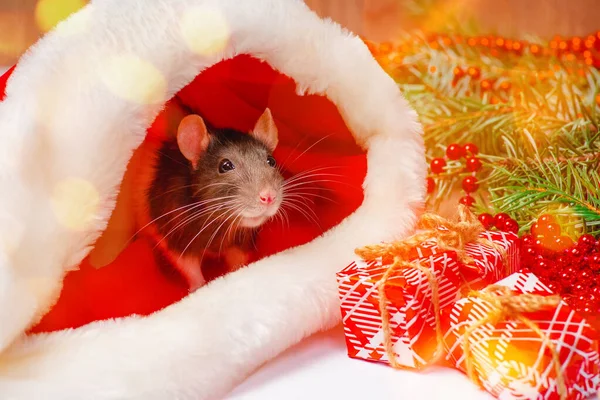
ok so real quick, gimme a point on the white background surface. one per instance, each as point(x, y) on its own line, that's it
point(319, 368)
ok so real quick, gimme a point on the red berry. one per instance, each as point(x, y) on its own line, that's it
point(535, 230)
point(530, 252)
point(545, 219)
point(471, 148)
point(467, 200)
point(575, 252)
point(552, 230)
point(470, 184)
point(455, 151)
point(541, 267)
point(585, 276)
point(527, 240)
point(472, 164)
point(437, 165)
point(578, 288)
point(553, 286)
point(549, 230)
point(587, 308)
point(430, 185)
point(510, 225)
point(565, 277)
point(563, 242)
point(486, 220)
point(500, 218)
point(562, 261)
point(586, 242)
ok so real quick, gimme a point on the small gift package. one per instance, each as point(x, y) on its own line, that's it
point(392, 296)
point(520, 341)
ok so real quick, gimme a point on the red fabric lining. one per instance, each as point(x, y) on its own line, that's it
point(233, 93)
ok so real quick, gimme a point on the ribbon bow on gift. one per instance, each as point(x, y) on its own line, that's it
point(449, 236)
point(505, 304)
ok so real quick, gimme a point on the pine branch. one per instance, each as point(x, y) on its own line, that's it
point(534, 114)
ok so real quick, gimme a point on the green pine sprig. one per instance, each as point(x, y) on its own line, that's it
point(536, 124)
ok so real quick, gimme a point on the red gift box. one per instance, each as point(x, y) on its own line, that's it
point(513, 359)
point(411, 311)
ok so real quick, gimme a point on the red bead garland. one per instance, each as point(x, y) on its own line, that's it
point(455, 152)
point(470, 184)
point(471, 148)
point(571, 269)
point(472, 164)
point(430, 185)
point(437, 165)
point(467, 200)
point(486, 220)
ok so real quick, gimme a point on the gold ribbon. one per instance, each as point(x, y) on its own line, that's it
point(449, 236)
point(507, 304)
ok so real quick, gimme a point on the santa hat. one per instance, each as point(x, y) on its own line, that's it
point(81, 101)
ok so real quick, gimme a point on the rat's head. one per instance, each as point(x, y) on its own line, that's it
point(233, 170)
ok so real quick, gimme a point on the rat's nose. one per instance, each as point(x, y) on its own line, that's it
point(267, 196)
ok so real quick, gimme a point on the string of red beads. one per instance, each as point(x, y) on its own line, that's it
point(575, 53)
point(472, 165)
point(568, 268)
point(586, 49)
point(501, 221)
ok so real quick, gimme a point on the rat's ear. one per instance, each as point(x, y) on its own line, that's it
point(265, 130)
point(192, 138)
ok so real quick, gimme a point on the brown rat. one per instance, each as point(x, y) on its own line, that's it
point(207, 192)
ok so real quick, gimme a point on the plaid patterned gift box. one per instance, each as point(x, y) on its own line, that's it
point(412, 317)
point(521, 346)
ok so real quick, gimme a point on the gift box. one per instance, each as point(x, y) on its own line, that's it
point(407, 333)
point(520, 341)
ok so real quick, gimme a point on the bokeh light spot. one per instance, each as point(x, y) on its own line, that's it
point(78, 24)
point(48, 13)
point(11, 234)
point(205, 30)
point(75, 203)
point(133, 79)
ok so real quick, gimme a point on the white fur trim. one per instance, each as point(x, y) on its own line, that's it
point(61, 123)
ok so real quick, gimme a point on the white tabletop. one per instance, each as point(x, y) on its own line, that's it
point(319, 368)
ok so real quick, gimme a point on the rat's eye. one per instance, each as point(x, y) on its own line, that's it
point(225, 165)
point(271, 161)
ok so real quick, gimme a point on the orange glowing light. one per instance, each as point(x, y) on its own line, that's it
point(474, 72)
point(506, 85)
point(385, 47)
